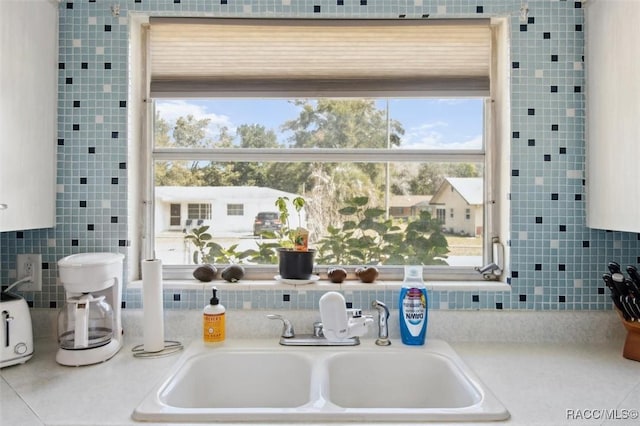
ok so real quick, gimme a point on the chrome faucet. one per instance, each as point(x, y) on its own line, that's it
point(289, 338)
point(287, 327)
point(383, 328)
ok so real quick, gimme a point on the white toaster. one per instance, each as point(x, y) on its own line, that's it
point(16, 334)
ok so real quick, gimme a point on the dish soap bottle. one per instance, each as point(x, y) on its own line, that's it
point(213, 320)
point(413, 307)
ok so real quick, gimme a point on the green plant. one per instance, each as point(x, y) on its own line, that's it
point(201, 239)
point(289, 237)
point(208, 251)
point(229, 255)
point(423, 241)
point(360, 240)
point(367, 237)
point(266, 252)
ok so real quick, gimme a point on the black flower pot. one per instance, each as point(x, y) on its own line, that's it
point(296, 265)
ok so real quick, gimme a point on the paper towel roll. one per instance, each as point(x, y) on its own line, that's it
point(153, 319)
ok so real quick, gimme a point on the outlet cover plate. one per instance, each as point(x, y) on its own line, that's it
point(25, 263)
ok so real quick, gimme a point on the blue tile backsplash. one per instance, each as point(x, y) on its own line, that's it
point(556, 261)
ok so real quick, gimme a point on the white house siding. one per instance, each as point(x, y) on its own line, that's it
point(253, 199)
point(449, 198)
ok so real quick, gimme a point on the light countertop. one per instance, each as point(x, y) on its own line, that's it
point(539, 383)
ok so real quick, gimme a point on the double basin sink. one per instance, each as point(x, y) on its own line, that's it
point(263, 382)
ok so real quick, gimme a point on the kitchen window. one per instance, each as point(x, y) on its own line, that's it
point(370, 151)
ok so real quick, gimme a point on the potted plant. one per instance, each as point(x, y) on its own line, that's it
point(295, 258)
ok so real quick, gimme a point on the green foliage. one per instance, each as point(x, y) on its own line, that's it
point(207, 251)
point(229, 255)
point(288, 236)
point(201, 239)
point(367, 237)
point(266, 253)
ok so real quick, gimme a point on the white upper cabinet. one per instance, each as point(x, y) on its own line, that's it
point(612, 58)
point(28, 113)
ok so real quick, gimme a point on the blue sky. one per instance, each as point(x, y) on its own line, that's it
point(428, 123)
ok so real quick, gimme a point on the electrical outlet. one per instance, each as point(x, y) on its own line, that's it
point(30, 265)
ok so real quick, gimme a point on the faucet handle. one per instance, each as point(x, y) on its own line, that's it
point(380, 307)
point(317, 329)
point(287, 327)
point(383, 326)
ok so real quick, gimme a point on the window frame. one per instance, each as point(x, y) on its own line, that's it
point(396, 272)
point(203, 210)
point(235, 209)
point(496, 130)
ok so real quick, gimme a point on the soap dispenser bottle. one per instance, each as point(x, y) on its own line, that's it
point(413, 307)
point(213, 320)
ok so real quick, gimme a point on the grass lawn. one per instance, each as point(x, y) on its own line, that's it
point(464, 246)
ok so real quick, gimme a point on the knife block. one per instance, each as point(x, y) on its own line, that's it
point(631, 348)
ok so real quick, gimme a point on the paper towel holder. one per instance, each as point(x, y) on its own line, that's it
point(153, 314)
point(170, 347)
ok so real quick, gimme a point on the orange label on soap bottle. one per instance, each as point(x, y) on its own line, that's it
point(213, 328)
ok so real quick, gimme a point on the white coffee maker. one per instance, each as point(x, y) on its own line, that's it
point(90, 322)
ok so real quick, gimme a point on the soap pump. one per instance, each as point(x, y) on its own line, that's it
point(213, 320)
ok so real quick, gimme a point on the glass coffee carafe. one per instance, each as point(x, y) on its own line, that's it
point(85, 322)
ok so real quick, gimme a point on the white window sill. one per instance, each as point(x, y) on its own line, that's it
point(248, 285)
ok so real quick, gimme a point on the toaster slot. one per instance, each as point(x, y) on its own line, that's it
point(6, 319)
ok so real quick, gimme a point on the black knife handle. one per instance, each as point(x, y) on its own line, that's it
point(635, 277)
point(632, 289)
point(614, 267)
point(623, 311)
point(632, 307)
point(618, 281)
point(615, 295)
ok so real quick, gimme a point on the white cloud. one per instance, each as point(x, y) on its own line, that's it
point(434, 136)
point(172, 110)
point(438, 143)
point(452, 101)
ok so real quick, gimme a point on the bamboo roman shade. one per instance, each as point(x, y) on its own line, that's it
point(253, 57)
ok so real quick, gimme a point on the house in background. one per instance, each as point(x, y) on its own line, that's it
point(406, 206)
point(458, 204)
point(225, 209)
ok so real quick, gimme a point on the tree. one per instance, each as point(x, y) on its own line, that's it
point(431, 175)
point(190, 132)
point(161, 130)
point(255, 136)
point(341, 123)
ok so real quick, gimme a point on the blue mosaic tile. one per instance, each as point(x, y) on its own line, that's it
point(556, 261)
